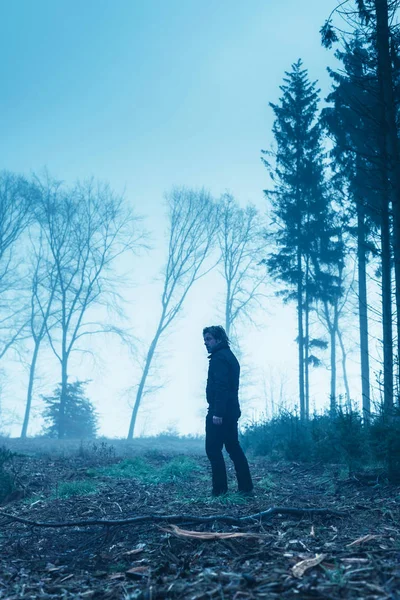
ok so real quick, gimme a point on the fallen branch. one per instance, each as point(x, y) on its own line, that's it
point(260, 516)
point(209, 535)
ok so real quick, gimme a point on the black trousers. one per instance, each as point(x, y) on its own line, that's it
point(216, 437)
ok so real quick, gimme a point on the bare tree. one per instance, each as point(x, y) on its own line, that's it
point(16, 200)
point(241, 245)
point(43, 276)
point(87, 229)
point(193, 222)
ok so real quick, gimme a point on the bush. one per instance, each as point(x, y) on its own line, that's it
point(7, 483)
point(323, 438)
point(384, 433)
point(80, 418)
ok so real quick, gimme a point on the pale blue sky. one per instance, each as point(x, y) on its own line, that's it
point(147, 94)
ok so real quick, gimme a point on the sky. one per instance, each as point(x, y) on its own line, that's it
point(147, 95)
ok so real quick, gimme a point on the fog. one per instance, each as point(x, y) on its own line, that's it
point(144, 97)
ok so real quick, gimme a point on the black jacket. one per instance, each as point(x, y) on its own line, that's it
point(223, 383)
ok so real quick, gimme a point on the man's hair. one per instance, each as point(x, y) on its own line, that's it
point(218, 333)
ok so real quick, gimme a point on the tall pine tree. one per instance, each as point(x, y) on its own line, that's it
point(300, 210)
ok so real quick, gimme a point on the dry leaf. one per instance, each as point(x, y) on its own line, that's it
point(205, 535)
point(362, 540)
point(301, 567)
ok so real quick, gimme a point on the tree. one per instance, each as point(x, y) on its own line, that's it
point(353, 125)
point(368, 90)
point(43, 286)
point(78, 416)
point(240, 243)
point(193, 223)
point(299, 207)
point(87, 228)
point(391, 152)
point(330, 303)
point(17, 198)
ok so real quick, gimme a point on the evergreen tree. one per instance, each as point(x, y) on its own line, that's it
point(300, 209)
point(377, 21)
point(354, 123)
point(80, 417)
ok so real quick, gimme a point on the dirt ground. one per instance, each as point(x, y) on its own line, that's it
point(353, 555)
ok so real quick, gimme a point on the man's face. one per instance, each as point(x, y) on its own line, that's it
point(210, 342)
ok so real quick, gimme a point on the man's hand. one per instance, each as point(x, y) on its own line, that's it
point(217, 420)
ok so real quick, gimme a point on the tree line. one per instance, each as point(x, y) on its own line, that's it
point(333, 208)
point(60, 266)
point(334, 198)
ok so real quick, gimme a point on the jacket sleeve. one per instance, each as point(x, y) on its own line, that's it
point(221, 377)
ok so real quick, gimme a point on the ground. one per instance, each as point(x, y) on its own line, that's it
point(352, 555)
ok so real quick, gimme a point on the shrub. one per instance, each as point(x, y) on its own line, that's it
point(6, 479)
point(384, 434)
point(323, 439)
point(80, 418)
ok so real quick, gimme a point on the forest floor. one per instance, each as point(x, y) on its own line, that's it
point(352, 555)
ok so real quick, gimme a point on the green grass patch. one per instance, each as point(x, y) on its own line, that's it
point(267, 483)
point(68, 489)
point(229, 499)
point(177, 469)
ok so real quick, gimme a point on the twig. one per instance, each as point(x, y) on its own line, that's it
point(274, 510)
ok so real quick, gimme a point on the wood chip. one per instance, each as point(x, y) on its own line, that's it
point(301, 567)
point(363, 539)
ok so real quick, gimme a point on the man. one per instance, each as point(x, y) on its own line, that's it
point(223, 412)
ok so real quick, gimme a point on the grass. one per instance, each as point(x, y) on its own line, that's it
point(68, 489)
point(267, 483)
point(229, 499)
point(177, 469)
point(42, 446)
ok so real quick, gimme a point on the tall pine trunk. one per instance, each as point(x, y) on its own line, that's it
point(301, 334)
point(307, 343)
point(334, 330)
point(363, 310)
point(344, 369)
point(387, 324)
point(385, 77)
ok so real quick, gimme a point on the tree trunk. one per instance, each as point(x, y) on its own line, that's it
point(32, 369)
point(228, 310)
point(344, 369)
point(333, 406)
point(387, 324)
point(63, 398)
point(385, 77)
point(363, 311)
point(301, 335)
point(142, 383)
point(307, 357)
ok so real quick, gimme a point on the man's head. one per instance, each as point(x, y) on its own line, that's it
point(213, 336)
